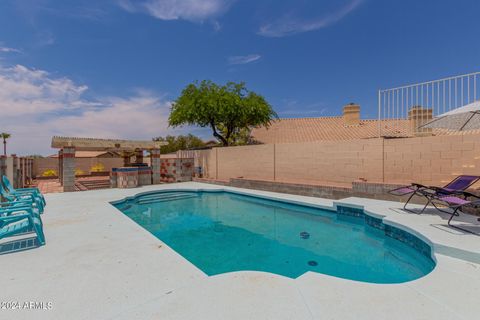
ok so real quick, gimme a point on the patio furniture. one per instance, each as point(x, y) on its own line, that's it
point(17, 224)
point(16, 206)
point(456, 187)
point(10, 189)
point(29, 198)
point(455, 204)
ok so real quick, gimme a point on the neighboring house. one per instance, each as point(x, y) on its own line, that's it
point(348, 126)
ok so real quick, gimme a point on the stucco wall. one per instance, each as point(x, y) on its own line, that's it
point(429, 160)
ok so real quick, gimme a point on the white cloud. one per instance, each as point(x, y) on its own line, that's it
point(289, 26)
point(244, 59)
point(9, 50)
point(34, 106)
point(26, 91)
point(190, 10)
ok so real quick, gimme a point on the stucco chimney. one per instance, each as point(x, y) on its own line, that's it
point(419, 116)
point(351, 114)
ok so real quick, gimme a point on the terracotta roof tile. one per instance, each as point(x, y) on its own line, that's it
point(325, 129)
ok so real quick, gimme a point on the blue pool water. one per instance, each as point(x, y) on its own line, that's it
point(223, 232)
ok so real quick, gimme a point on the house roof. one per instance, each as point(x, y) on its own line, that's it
point(326, 129)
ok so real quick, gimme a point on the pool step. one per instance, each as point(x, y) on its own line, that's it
point(84, 185)
point(164, 197)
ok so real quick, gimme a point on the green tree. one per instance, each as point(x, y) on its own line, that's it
point(181, 142)
point(5, 136)
point(227, 110)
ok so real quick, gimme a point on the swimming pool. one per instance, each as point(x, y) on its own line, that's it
point(223, 232)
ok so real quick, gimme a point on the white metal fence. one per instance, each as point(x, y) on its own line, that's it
point(425, 100)
point(185, 154)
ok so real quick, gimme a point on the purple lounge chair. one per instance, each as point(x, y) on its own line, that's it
point(456, 187)
point(455, 204)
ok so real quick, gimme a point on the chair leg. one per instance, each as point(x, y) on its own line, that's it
point(408, 200)
point(426, 205)
point(451, 217)
point(456, 214)
point(38, 229)
point(412, 211)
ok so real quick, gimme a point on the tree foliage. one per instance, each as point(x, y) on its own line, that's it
point(5, 136)
point(181, 142)
point(229, 110)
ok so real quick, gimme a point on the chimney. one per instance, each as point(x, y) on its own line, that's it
point(351, 114)
point(419, 116)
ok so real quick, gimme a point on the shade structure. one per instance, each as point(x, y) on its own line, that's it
point(460, 119)
point(94, 144)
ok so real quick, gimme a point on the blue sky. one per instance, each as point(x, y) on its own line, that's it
point(110, 68)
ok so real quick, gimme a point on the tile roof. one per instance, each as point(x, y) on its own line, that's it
point(326, 129)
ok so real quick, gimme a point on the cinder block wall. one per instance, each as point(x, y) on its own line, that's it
point(207, 160)
point(430, 160)
point(248, 162)
point(330, 162)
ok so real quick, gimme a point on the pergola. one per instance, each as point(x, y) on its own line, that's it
point(128, 148)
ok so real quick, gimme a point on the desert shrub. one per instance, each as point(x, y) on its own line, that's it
point(79, 172)
point(49, 173)
point(99, 167)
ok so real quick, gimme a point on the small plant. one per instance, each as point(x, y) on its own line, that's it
point(49, 173)
point(99, 167)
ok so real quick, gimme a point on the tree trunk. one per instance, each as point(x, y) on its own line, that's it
point(4, 147)
point(217, 135)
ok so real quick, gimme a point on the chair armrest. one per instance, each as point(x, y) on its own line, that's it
point(23, 195)
point(19, 191)
point(468, 195)
point(27, 189)
point(420, 186)
point(27, 193)
point(443, 189)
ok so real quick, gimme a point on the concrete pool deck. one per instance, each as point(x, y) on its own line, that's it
point(99, 264)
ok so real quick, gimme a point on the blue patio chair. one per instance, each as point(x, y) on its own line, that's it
point(16, 206)
point(21, 223)
point(10, 189)
point(27, 198)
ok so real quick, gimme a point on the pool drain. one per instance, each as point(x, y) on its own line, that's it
point(312, 263)
point(304, 235)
